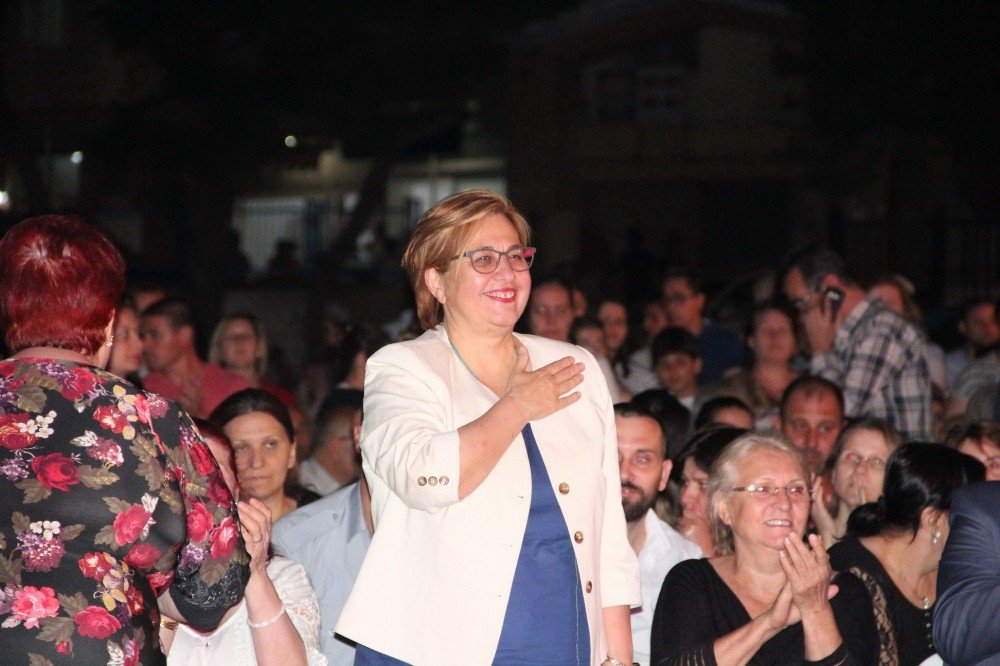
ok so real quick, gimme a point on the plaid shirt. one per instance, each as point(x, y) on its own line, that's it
point(879, 360)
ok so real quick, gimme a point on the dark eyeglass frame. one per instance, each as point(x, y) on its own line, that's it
point(527, 251)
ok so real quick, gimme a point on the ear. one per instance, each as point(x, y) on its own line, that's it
point(931, 519)
point(291, 456)
point(722, 511)
point(668, 465)
point(186, 334)
point(434, 281)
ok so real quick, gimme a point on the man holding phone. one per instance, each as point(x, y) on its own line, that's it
point(875, 356)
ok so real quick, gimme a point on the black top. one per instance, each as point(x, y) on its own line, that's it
point(696, 607)
point(904, 629)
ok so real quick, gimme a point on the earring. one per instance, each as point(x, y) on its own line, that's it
point(110, 342)
point(936, 537)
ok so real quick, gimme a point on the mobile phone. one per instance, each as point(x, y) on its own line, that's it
point(835, 297)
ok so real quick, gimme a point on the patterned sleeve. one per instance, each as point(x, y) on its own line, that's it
point(211, 567)
point(299, 598)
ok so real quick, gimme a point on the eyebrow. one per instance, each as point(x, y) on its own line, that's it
point(490, 247)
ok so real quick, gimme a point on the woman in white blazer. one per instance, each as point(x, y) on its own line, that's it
point(493, 466)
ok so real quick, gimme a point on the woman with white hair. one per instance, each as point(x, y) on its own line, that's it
point(769, 597)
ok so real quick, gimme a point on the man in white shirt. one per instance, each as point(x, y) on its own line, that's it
point(644, 474)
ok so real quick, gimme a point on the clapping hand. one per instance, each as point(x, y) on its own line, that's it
point(808, 573)
point(255, 524)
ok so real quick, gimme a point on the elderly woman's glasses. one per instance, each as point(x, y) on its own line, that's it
point(485, 260)
point(765, 491)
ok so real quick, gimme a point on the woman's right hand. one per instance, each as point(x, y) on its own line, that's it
point(255, 523)
point(543, 392)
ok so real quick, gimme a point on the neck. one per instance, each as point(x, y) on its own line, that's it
point(249, 374)
point(637, 534)
point(488, 356)
point(185, 368)
point(759, 570)
point(279, 504)
point(57, 353)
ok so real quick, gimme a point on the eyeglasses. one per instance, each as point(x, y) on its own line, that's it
point(855, 461)
point(485, 260)
point(765, 491)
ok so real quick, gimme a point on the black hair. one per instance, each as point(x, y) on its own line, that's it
point(674, 418)
point(358, 339)
point(810, 385)
point(816, 262)
point(704, 447)
point(689, 274)
point(918, 475)
point(174, 309)
point(630, 410)
point(674, 340)
point(249, 401)
point(706, 415)
point(580, 323)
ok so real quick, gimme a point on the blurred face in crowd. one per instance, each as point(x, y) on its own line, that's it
point(986, 451)
point(694, 487)
point(644, 472)
point(812, 423)
point(478, 301)
point(162, 345)
point(654, 319)
point(764, 520)
point(239, 346)
point(614, 319)
point(679, 373)
point(592, 339)
point(773, 338)
point(860, 469)
point(551, 312)
point(682, 304)
point(264, 454)
point(126, 354)
point(980, 326)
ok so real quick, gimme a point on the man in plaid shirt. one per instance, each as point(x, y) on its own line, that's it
point(876, 357)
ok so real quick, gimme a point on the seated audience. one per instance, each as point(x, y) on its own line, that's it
point(330, 538)
point(333, 462)
point(278, 621)
point(260, 428)
point(855, 471)
point(644, 473)
point(724, 410)
point(772, 345)
point(691, 474)
point(550, 309)
point(176, 372)
point(769, 597)
point(677, 361)
point(812, 417)
point(588, 334)
point(239, 345)
point(980, 328)
point(981, 440)
point(968, 605)
point(684, 303)
point(894, 545)
point(876, 357)
point(634, 378)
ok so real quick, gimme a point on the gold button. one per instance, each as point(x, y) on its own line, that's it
point(578, 537)
point(564, 488)
point(443, 480)
point(432, 480)
point(589, 586)
point(422, 481)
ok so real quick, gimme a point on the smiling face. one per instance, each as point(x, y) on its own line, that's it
point(264, 454)
point(764, 521)
point(478, 302)
point(860, 468)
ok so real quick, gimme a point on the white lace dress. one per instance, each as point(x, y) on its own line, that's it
point(232, 642)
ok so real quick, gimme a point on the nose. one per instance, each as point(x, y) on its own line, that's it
point(688, 494)
point(811, 438)
point(256, 458)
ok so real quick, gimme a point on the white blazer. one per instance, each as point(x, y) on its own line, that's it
point(436, 580)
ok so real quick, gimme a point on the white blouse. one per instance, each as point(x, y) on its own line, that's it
point(232, 642)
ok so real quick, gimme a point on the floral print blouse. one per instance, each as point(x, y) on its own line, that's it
point(108, 497)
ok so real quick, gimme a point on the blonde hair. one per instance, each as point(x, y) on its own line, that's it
point(440, 233)
point(215, 343)
point(725, 474)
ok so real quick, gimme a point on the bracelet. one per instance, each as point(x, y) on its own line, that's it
point(611, 661)
point(266, 623)
point(168, 624)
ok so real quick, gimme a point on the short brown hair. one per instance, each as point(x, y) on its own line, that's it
point(440, 233)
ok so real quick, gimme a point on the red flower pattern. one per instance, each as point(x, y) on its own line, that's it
point(96, 622)
point(96, 565)
point(129, 524)
point(80, 384)
point(110, 418)
point(11, 436)
point(31, 604)
point(224, 538)
point(199, 523)
point(142, 556)
point(55, 471)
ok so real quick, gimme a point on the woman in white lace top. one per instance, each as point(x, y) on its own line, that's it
point(278, 621)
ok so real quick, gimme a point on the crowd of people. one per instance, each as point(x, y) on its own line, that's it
point(530, 474)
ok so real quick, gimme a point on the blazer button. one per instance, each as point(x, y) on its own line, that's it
point(443, 480)
point(578, 537)
point(432, 481)
point(589, 586)
point(422, 481)
point(564, 488)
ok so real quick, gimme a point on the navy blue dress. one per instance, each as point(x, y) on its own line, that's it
point(546, 621)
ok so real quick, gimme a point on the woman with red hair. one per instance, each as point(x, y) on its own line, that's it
point(110, 504)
